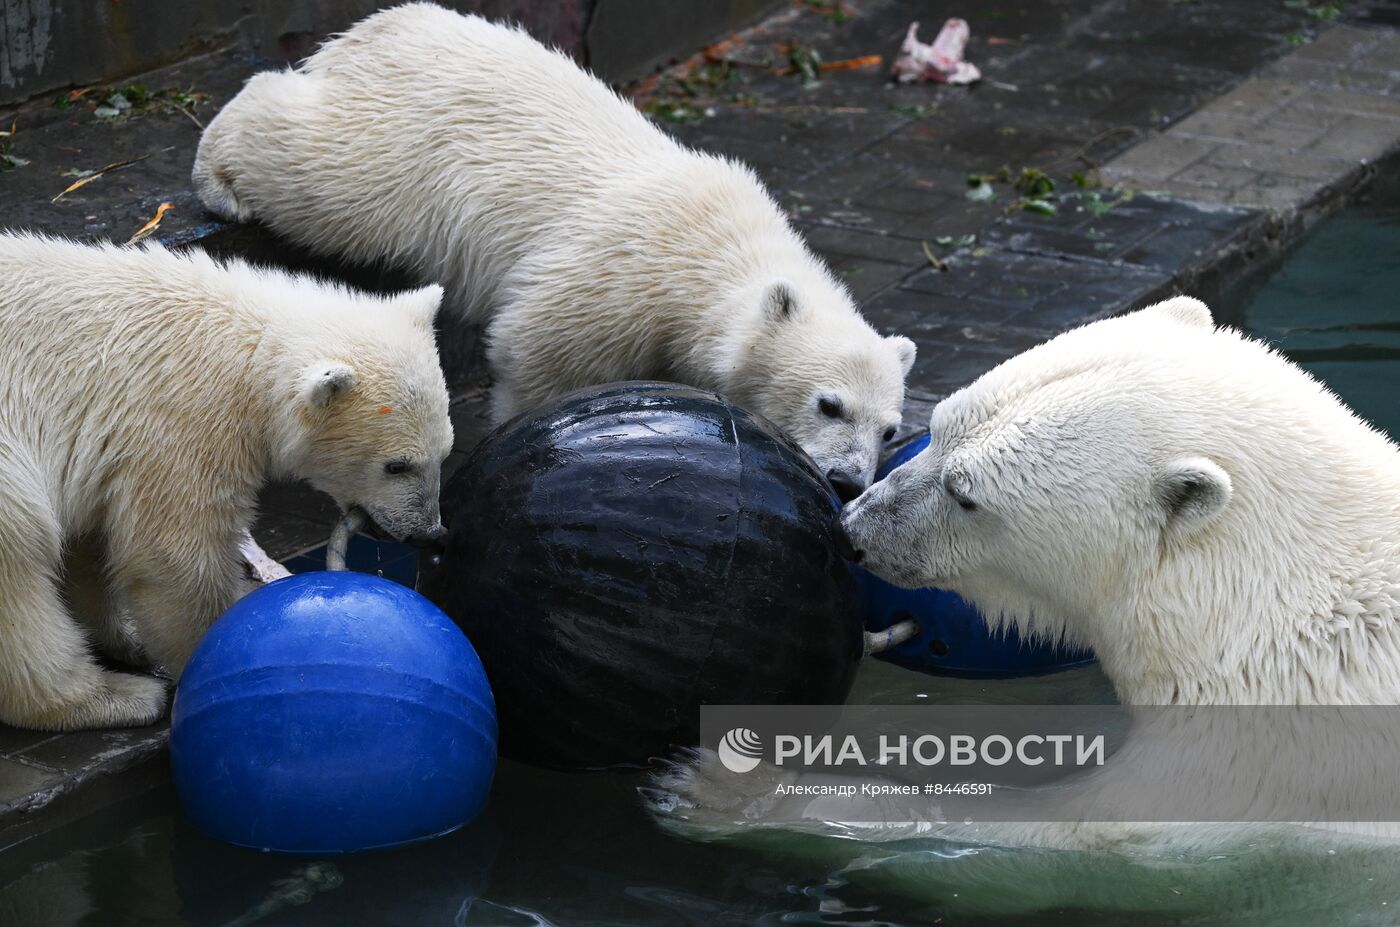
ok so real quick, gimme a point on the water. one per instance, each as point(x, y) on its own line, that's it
point(566, 849)
point(1333, 304)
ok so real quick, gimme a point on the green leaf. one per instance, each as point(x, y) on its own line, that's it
point(981, 193)
point(1097, 205)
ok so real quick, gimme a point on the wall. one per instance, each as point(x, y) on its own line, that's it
point(46, 45)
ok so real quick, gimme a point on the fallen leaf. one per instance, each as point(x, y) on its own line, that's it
point(93, 175)
point(12, 130)
point(845, 64)
point(152, 225)
point(850, 64)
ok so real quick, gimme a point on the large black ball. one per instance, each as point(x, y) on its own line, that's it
point(633, 552)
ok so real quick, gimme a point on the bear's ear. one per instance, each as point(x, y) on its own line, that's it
point(905, 350)
point(1184, 309)
point(1191, 492)
point(321, 383)
point(421, 305)
point(780, 302)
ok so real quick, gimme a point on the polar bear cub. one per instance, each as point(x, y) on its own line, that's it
point(594, 246)
point(145, 397)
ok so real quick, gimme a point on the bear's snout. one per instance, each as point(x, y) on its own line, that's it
point(847, 486)
point(842, 540)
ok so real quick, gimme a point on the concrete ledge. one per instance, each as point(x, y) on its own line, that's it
point(49, 779)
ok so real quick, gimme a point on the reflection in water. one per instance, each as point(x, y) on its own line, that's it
point(576, 849)
point(562, 849)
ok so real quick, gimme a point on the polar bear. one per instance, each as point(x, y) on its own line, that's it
point(593, 246)
point(145, 397)
point(1205, 515)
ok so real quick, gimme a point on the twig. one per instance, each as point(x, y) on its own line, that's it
point(740, 63)
point(1082, 152)
point(188, 113)
point(114, 166)
point(939, 265)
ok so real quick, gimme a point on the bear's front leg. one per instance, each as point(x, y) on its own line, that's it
point(92, 599)
point(177, 587)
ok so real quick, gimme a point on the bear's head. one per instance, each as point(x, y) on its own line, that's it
point(828, 379)
point(1178, 497)
point(367, 421)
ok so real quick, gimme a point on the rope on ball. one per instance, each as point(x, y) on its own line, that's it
point(893, 636)
point(352, 521)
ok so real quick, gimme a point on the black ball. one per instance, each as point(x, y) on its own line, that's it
point(630, 553)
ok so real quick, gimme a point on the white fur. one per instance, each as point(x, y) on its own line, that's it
point(1206, 516)
point(145, 397)
point(596, 247)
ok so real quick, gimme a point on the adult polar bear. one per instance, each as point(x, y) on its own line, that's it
point(145, 397)
point(1207, 517)
point(1211, 520)
point(596, 247)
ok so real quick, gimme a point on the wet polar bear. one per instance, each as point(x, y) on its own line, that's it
point(596, 247)
point(1210, 519)
point(145, 397)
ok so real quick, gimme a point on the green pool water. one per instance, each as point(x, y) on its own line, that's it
point(559, 849)
point(1333, 304)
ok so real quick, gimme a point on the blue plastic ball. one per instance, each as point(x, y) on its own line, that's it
point(953, 638)
point(332, 712)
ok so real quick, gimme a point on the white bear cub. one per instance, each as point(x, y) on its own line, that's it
point(1206, 516)
point(147, 396)
point(594, 246)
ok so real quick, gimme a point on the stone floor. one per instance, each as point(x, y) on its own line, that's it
point(1279, 139)
point(1184, 138)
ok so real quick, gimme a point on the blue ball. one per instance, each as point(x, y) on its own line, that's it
point(953, 638)
point(333, 712)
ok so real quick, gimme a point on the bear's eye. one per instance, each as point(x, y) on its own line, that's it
point(829, 407)
point(396, 467)
point(889, 434)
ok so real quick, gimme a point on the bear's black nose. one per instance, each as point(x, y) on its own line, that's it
point(842, 540)
point(847, 487)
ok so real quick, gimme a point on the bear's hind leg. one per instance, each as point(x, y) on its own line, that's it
point(92, 599)
point(48, 680)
